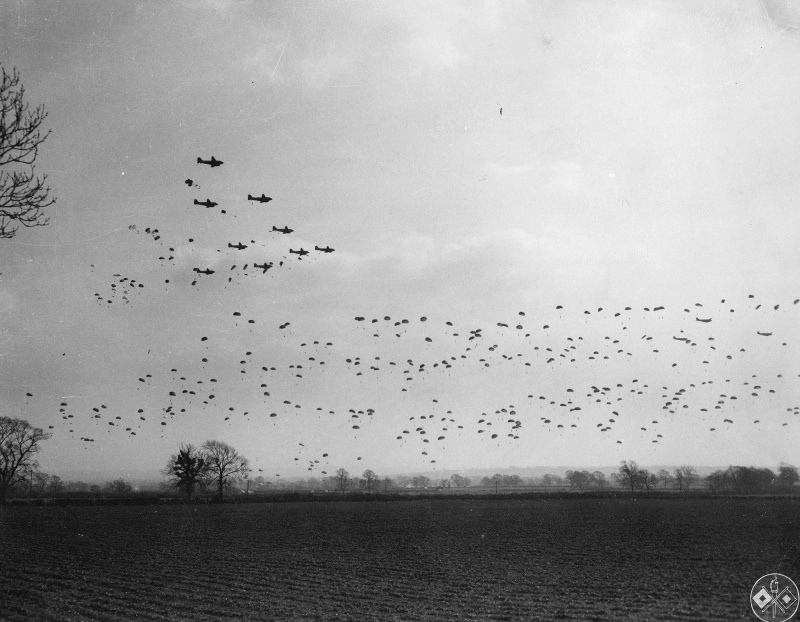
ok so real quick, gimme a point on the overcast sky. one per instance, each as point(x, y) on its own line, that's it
point(469, 163)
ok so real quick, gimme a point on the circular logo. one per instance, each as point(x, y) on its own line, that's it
point(774, 598)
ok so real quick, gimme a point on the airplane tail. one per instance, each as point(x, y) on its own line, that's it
point(250, 197)
point(196, 202)
point(317, 248)
point(199, 161)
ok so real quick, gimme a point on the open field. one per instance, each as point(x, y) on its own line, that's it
point(563, 559)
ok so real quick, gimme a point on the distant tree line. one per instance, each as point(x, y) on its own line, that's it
point(215, 467)
point(753, 480)
point(36, 484)
point(633, 477)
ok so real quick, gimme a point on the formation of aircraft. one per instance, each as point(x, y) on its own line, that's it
point(208, 203)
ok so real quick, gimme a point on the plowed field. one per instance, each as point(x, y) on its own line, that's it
point(566, 559)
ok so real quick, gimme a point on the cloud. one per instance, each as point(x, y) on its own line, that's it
point(785, 14)
point(498, 261)
point(567, 177)
point(501, 169)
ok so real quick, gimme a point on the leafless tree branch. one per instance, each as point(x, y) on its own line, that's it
point(23, 194)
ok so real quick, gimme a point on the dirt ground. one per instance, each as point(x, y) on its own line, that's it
point(549, 559)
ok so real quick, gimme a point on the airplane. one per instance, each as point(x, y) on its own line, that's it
point(239, 246)
point(706, 320)
point(327, 249)
point(264, 266)
point(763, 334)
point(262, 199)
point(284, 230)
point(206, 271)
point(301, 252)
point(212, 162)
point(206, 203)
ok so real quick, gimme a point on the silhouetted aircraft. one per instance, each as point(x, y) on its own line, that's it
point(206, 203)
point(239, 246)
point(284, 230)
point(327, 249)
point(301, 252)
point(264, 266)
point(706, 320)
point(764, 334)
point(206, 271)
point(262, 199)
point(212, 162)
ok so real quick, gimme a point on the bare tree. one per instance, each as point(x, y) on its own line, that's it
point(598, 478)
point(77, 487)
point(578, 479)
point(342, 479)
point(459, 481)
point(387, 483)
point(420, 481)
point(186, 468)
point(788, 476)
point(647, 479)
point(35, 482)
point(685, 477)
point(56, 485)
point(370, 477)
point(23, 194)
point(19, 443)
point(628, 475)
point(665, 478)
point(118, 487)
point(224, 463)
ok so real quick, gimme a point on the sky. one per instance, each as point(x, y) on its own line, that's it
point(563, 224)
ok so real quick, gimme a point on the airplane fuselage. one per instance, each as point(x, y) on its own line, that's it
point(262, 199)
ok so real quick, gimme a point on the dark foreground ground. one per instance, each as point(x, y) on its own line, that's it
point(549, 559)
